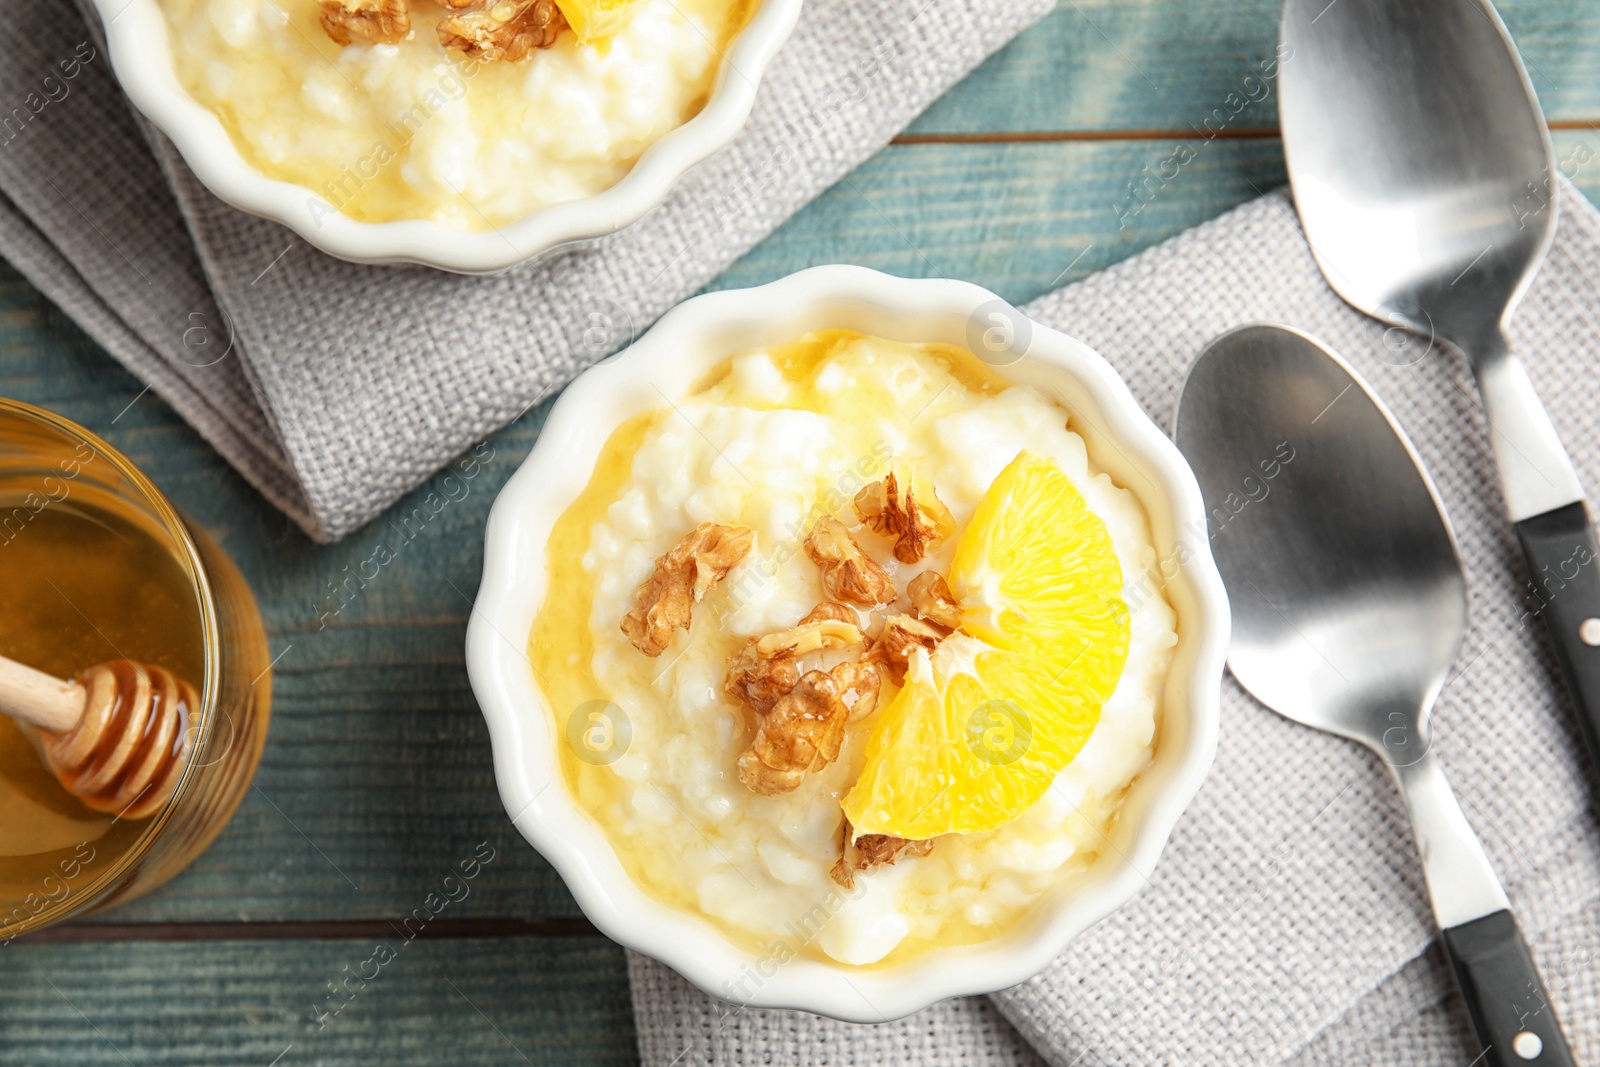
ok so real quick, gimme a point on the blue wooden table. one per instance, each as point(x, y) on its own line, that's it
point(376, 779)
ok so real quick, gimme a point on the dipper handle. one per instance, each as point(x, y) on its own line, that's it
point(39, 698)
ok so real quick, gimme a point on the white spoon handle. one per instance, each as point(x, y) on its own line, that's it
point(1494, 970)
point(1461, 882)
point(39, 698)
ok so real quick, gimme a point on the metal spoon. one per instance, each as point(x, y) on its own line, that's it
point(1349, 605)
point(1423, 174)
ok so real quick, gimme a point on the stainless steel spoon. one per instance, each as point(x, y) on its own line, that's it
point(1423, 173)
point(1349, 605)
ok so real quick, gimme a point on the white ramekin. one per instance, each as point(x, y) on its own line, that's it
point(141, 55)
point(664, 363)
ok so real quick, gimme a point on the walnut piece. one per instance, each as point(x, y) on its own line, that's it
point(502, 29)
point(859, 683)
point(897, 513)
point(378, 21)
point(701, 559)
point(757, 680)
point(825, 610)
point(930, 595)
point(902, 635)
point(848, 574)
point(804, 729)
point(802, 732)
point(765, 669)
point(809, 637)
point(871, 850)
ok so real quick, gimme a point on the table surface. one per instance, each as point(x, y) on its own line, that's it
point(377, 779)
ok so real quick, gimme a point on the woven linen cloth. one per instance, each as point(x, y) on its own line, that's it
point(336, 388)
point(1287, 921)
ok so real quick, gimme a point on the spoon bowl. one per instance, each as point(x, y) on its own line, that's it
point(1420, 159)
point(1422, 171)
point(1348, 597)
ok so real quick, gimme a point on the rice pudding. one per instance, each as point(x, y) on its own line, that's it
point(470, 113)
point(774, 592)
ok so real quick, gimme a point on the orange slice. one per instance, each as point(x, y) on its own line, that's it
point(982, 728)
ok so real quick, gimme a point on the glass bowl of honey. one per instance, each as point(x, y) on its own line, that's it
point(103, 583)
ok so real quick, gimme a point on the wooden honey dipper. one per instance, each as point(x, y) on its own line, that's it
point(116, 738)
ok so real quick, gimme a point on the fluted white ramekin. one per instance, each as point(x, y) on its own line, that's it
point(678, 351)
point(141, 55)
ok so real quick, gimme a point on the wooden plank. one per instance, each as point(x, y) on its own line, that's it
point(1017, 218)
point(562, 1003)
point(1116, 65)
point(297, 930)
point(377, 773)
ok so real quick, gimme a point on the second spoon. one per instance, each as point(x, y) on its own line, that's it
point(1349, 605)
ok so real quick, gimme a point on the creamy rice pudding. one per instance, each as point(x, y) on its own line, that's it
point(762, 597)
point(471, 113)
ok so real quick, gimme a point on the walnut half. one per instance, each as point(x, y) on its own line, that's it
point(699, 560)
point(378, 21)
point(848, 574)
point(502, 29)
point(894, 511)
point(871, 850)
point(804, 729)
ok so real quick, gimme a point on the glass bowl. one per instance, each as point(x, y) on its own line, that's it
point(53, 471)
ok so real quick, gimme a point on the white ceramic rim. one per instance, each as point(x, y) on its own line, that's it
point(141, 56)
point(688, 341)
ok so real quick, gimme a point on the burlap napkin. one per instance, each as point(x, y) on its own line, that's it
point(334, 388)
point(1287, 921)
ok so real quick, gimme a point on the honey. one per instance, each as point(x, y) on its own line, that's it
point(81, 586)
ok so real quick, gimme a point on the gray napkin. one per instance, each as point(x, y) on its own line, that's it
point(1287, 921)
point(335, 388)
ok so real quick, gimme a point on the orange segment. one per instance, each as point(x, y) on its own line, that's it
point(980, 730)
point(599, 18)
point(1036, 572)
point(972, 741)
